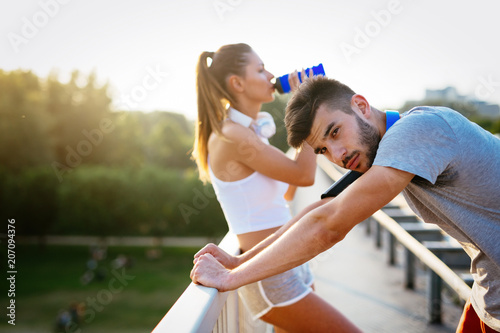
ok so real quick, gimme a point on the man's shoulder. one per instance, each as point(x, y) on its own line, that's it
point(428, 117)
point(431, 111)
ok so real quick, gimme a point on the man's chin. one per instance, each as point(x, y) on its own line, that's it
point(366, 168)
point(363, 168)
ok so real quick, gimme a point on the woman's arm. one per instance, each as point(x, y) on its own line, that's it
point(244, 147)
point(290, 192)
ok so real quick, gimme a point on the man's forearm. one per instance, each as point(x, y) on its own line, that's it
point(323, 227)
point(269, 240)
point(297, 245)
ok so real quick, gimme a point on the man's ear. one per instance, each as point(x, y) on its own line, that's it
point(235, 83)
point(359, 103)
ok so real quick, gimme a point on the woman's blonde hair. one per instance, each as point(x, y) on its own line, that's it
point(213, 96)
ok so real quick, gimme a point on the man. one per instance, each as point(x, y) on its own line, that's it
point(447, 167)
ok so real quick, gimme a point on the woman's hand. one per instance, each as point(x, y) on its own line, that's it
point(209, 272)
point(227, 260)
point(294, 81)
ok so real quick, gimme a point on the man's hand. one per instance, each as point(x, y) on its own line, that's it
point(222, 256)
point(208, 272)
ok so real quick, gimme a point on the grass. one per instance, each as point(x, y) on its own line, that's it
point(130, 299)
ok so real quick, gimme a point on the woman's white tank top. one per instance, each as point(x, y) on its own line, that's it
point(253, 203)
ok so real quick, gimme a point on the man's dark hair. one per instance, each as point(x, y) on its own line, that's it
point(302, 107)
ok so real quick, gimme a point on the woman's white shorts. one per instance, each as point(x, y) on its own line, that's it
point(280, 290)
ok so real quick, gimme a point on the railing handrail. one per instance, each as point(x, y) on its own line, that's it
point(198, 308)
point(408, 241)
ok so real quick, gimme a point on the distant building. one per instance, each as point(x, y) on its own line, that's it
point(446, 94)
point(450, 94)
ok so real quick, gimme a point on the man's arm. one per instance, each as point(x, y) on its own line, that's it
point(316, 232)
point(272, 238)
point(230, 261)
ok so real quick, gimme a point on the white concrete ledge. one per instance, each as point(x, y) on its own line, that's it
point(198, 308)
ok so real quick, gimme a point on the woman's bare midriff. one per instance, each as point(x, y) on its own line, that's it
point(250, 239)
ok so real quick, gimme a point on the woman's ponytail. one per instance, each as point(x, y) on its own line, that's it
point(213, 96)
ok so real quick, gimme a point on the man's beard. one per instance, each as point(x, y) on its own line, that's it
point(370, 138)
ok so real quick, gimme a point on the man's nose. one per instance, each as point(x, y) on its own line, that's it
point(336, 154)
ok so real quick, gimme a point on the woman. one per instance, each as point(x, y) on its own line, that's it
point(251, 177)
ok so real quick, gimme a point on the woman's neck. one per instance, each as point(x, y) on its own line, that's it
point(249, 109)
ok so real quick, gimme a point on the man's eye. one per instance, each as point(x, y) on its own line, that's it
point(335, 131)
point(323, 150)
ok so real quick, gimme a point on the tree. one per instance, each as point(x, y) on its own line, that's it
point(78, 113)
point(23, 122)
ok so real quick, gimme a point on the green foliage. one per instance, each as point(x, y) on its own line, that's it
point(71, 166)
point(22, 121)
point(106, 201)
point(492, 125)
point(94, 200)
point(277, 109)
point(158, 138)
point(47, 122)
point(30, 198)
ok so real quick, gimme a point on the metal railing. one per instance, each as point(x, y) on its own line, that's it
point(200, 309)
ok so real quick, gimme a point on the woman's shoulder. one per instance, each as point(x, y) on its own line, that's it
point(236, 133)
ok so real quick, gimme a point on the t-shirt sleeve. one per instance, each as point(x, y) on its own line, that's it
point(421, 143)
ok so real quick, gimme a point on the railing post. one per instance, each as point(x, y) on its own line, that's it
point(392, 249)
point(409, 270)
point(368, 223)
point(378, 235)
point(434, 297)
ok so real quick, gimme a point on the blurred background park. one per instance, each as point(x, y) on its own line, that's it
point(97, 112)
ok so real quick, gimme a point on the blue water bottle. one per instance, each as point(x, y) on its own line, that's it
point(282, 85)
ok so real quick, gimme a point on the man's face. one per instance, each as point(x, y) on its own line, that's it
point(347, 140)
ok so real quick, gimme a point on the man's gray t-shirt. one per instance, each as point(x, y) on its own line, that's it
point(457, 168)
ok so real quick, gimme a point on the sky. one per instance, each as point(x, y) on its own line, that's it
point(390, 51)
